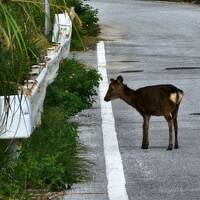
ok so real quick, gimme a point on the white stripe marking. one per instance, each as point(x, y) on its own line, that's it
point(114, 167)
point(101, 59)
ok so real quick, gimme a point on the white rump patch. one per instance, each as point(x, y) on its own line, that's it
point(173, 97)
point(180, 96)
point(176, 97)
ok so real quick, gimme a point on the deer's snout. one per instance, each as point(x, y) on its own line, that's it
point(106, 99)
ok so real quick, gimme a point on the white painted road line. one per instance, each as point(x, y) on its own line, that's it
point(114, 167)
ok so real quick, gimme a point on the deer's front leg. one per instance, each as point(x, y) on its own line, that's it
point(145, 140)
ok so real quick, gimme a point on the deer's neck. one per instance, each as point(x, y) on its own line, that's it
point(129, 96)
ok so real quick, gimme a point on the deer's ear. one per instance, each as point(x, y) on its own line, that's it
point(111, 80)
point(120, 79)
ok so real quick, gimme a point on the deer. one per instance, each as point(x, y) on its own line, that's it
point(155, 100)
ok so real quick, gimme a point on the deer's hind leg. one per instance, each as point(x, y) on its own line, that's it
point(170, 122)
point(175, 123)
point(175, 132)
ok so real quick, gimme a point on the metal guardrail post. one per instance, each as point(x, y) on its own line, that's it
point(47, 17)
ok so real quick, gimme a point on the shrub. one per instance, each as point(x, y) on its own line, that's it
point(90, 20)
point(85, 36)
point(75, 87)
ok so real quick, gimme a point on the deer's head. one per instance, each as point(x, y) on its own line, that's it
point(115, 89)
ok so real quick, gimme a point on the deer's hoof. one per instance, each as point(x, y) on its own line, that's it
point(145, 146)
point(169, 148)
point(176, 146)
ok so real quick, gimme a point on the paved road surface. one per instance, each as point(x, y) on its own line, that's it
point(154, 38)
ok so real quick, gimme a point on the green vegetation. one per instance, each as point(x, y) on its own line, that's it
point(89, 30)
point(19, 47)
point(51, 157)
point(78, 87)
point(86, 28)
point(22, 40)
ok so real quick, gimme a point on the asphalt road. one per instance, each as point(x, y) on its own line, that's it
point(152, 43)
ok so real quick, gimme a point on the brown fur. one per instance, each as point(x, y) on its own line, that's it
point(157, 100)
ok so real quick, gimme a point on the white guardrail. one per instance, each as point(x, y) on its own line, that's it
point(25, 109)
